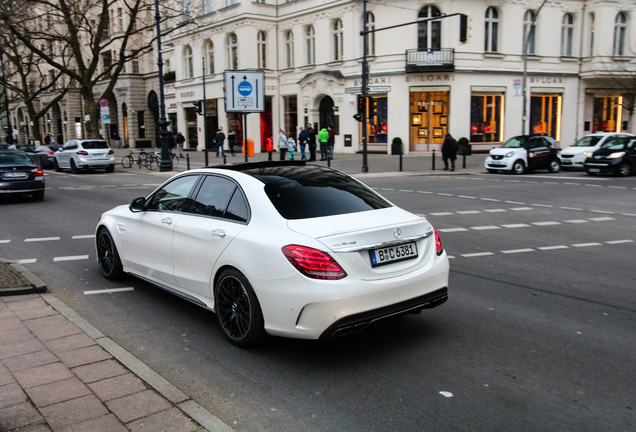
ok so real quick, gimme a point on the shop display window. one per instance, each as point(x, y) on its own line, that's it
point(486, 117)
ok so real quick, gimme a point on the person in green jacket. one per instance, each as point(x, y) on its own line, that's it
point(323, 139)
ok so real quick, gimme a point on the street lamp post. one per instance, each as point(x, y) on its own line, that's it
point(531, 29)
point(164, 136)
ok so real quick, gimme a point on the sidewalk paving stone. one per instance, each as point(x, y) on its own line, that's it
point(117, 387)
point(58, 391)
point(74, 411)
point(40, 375)
point(82, 356)
point(99, 371)
point(138, 405)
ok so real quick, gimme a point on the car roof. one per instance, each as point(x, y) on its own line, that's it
point(272, 171)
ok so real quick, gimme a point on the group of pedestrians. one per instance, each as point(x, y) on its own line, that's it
point(306, 140)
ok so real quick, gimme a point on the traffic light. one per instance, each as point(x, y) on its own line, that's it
point(358, 116)
point(198, 107)
point(463, 27)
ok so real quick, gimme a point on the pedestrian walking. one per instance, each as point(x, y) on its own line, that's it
point(311, 143)
point(220, 140)
point(180, 140)
point(269, 146)
point(282, 144)
point(302, 142)
point(449, 151)
point(231, 141)
point(331, 142)
point(323, 139)
point(291, 146)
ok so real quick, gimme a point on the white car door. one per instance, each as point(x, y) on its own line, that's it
point(148, 235)
point(218, 213)
point(64, 157)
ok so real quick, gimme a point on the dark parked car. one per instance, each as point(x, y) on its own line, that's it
point(20, 175)
point(44, 155)
point(614, 157)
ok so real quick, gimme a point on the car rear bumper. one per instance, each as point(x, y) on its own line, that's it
point(21, 187)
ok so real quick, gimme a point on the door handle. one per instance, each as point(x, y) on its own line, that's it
point(218, 233)
point(166, 221)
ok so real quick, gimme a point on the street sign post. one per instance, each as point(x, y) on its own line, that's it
point(244, 91)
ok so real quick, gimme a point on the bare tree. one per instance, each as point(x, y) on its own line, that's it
point(77, 39)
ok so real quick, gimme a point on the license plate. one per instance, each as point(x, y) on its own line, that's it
point(387, 255)
point(14, 175)
point(98, 155)
point(595, 170)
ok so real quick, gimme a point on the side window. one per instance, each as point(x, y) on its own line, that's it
point(174, 195)
point(220, 197)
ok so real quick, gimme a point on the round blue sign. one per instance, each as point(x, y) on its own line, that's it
point(245, 88)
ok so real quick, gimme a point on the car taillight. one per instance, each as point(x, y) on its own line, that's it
point(38, 172)
point(111, 151)
point(313, 263)
point(50, 153)
point(82, 152)
point(438, 243)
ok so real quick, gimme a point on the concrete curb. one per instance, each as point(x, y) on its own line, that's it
point(21, 280)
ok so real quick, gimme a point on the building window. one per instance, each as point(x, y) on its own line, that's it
point(492, 29)
point(486, 117)
point(545, 114)
point(289, 48)
point(120, 19)
point(232, 51)
point(291, 114)
point(429, 33)
point(592, 31)
point(209, 57)
point(620, 28)
point(310, 44)
point(370, 37)
point(608, 113)
point(207, 6)
point(430, 111)
point(567, 34)
point(135, 66)
point(261, 42)
point(337, 40)
point(529, 33)
point(187, 60)
point(141, 124)
point(230, 2)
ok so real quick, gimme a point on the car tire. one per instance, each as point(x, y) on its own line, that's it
point(492, 171)
point(107, 256)
point(624, 169)
point(38, 196)
point(590, 173)
point(110, 168)
point(518, 167)
point(56, 166)
point(554, 165)
point(74, 168)
point(237, 309)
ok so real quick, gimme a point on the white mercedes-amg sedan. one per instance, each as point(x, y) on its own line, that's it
point(278, 248)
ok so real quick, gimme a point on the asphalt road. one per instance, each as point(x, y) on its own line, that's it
point(538, 333)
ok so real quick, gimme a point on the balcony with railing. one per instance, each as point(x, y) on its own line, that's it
point(430, 60)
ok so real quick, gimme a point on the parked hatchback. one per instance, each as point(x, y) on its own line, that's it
point(78, 155)
point(575, 155)
point(524, 153)
point(617, 156)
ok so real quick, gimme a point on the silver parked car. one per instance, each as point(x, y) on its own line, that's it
point(85, 154)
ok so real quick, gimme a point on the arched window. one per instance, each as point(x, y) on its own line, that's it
point(232, 51)
point(429, 33)
point(370, 25)
point(187, 61)
point(261, 43)
point(592, 31)
point(310, 44)
point(620, 28)
point(209, 57)
point(289, 48)
point(337, 40)
point(567, 34)
point(529, 33)
point(492, 29)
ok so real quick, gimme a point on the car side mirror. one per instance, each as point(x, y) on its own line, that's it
point(137, 205)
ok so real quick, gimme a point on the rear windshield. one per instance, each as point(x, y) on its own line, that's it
point(89, 145)
point(300, 192)
point(15, 158)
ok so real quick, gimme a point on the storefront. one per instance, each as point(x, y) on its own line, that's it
point(608, 114)
point(486, 114)
point(545, 112)
point(429, 112)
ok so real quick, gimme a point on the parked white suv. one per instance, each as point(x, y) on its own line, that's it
point(524, 153)
point(84, 154)
point(574, 156)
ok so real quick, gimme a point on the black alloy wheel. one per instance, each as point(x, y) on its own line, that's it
point(74, 168)
point(107, 256)
point(624, 169)
point(238, 311)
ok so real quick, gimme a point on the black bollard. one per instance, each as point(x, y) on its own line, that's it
point(188, 161)
point(400, 162)
point(433, 162)
point(464, 160)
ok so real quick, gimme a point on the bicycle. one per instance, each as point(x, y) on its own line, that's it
point(147, 160)
point(173, 157)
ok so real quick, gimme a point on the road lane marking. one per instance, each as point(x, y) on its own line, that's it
point(85, 236)
point(5, 241)
point(447, 230)
point(39, 239)
point(477, 254)
point(485, 227)
point(586, 244)
point(547, 248)
point(27, 261)
point(614, 242)
point(109, 291)
point(70, 258)
point(514, 251)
